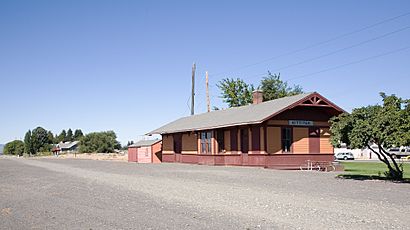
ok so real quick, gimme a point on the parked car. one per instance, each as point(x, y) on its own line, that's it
point(399, 152)
point(344, 156)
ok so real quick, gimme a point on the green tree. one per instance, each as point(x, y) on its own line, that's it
point(15, 147)
point(130, 143)
point(69, 135)
point(99, 142)
point(385, 125)
point(51, 139)
point(235, 92)
point(39, 140)
point(28, 147)
point(78, 134)
point(62, 137)
point(273, 87)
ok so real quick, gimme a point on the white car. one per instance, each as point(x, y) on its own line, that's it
point(344, 156)
point(398, 153)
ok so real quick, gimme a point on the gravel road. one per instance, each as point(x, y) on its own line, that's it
point(90, 194)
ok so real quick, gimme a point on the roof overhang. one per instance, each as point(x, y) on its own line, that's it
point(311, 100)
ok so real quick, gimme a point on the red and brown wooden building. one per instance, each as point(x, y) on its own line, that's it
point(282, 133)
point(145, 151)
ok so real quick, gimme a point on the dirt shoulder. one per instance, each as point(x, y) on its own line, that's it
point(90, 156)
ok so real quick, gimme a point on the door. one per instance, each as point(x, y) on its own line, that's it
point(244, 140)
point(177, 143)
point(256, 139)
point(144, 155)
point(314, 140)
point(234, 139)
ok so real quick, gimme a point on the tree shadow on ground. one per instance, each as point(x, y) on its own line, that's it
point(370, 177)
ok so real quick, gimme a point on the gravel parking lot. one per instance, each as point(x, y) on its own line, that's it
point(90, 194)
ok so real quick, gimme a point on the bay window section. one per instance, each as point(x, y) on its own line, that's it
point(206, 144)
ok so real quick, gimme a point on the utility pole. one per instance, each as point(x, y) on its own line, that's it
point(193, 89)
point(208, 103)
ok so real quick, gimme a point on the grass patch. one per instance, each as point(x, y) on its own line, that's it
point(40, 154)
point(369, 170)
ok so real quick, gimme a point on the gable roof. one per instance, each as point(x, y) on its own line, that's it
point(145, 143)
point(67, 145)
point(243, 115)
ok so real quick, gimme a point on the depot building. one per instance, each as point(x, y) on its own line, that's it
point(282, 133)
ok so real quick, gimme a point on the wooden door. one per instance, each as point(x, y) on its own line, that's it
point(234, 139)
point(244, 140)
point(314, 140)
point(256, 139)
point(177, 143)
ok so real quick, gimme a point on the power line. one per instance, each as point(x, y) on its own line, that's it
point(347, 64)
point(318, 44)
point(336, 51)
point(350, 63)
point(188, 107)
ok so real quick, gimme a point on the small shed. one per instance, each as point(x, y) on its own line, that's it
point(145, 151)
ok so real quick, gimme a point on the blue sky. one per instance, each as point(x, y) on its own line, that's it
point(126, 65)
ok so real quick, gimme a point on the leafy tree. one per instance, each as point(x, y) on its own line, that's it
point(28, 147)
point(14, 148)
point(99, 142)
point(69, 136)
point(39, 140)
point(130, 143)
point(62, 137)
point(273, 87)
point(78, 134)
point(235, 92)
point(385, 125)
point(50, 136)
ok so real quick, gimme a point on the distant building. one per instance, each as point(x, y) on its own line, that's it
point(66, 147)
point(1, 149)
point(145, 151)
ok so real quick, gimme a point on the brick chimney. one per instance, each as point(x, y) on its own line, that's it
point(257, 96)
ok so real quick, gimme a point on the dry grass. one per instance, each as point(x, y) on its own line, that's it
point(94, 156)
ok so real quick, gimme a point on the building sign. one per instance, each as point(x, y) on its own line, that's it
point(300, 123)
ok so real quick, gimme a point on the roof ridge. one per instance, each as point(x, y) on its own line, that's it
point(249, 105)
point(248, 114)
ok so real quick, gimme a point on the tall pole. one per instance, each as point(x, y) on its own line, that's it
point(193, 89)
point(208, 103)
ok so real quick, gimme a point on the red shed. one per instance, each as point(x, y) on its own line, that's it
point(145, 151)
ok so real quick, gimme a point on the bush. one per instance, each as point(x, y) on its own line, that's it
point(14, 148)
point(99, 142)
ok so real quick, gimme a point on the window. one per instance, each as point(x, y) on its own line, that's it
point(220, 138)
point(286, 140)
point(206, 142)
